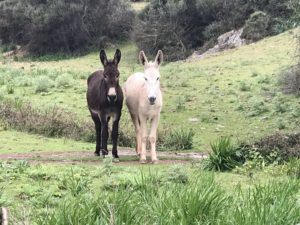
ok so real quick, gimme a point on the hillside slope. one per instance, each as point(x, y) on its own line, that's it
point(235, 93)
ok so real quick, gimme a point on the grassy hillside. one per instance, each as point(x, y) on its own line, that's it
point(235, 93)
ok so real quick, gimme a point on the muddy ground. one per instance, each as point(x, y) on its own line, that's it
point(127, 156)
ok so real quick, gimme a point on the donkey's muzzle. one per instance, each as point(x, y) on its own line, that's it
point(111, 98)
point(152, 100)
point(112, 95)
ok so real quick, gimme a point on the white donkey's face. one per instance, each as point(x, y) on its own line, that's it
point(152, 75)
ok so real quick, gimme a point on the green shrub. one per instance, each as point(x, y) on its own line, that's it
point(256, 26)
point(244, 86)
point(64, 81)
point(179, 139)
point(10, 89)
point(277, 148)
point(224, 155)
point(176, 174)
point(290, 80)
point(64, 26)
point(257, 108)
point(75, 182)
point(23, 81)
point(51, 122)
point(43, 84)
point(293, 168)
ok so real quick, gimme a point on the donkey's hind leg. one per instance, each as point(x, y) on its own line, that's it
point(98, 132)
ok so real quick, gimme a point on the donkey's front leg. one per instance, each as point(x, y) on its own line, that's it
point(114, 136)
point(104, 135)
point(153, 138)
point(144, 137)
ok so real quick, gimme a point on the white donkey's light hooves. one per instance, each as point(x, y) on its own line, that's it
point(143, 161)
point(154, 161)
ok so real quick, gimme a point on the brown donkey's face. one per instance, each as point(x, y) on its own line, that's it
point(111, 74)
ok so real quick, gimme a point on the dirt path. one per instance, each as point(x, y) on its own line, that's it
point(127, 156)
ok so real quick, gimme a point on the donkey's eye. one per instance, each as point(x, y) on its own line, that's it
point(105, 76)
point(157, 78)
point(146, 79)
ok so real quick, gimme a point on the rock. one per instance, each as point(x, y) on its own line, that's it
point(193, 119)
point(229, 40)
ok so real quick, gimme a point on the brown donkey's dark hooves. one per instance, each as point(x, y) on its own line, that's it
point(104, 152)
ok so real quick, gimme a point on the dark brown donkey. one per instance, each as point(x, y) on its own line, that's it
point(105, 100)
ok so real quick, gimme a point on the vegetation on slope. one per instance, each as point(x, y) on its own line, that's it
point(179, 27)
point(233, 94)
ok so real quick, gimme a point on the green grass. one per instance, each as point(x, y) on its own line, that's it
point(234, 94)
point(18, 142)
point(68, 194)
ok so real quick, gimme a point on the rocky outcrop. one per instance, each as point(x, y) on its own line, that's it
point(231, 39)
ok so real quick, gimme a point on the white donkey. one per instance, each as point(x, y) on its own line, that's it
point(144, 101)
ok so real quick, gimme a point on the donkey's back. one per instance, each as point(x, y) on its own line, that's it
point(95, 96)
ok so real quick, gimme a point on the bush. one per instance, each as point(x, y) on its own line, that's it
point(64, 81)
point(43, 84)
point(162, 25)
point(290, 81)
point(176, 174)
point(256, 26)
point(179, 139)
point(51, 122)
point(63, 25)
point(179, 26)
point(224, 155)
point(293, 168)
point(278, 147)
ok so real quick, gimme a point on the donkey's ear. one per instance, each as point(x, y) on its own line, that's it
point(143, 59)
point(103, 57)
point(159, 57)
point(117, 57)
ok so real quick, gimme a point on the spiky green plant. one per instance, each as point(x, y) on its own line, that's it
point(224, 155)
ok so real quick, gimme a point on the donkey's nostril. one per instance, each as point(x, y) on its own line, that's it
point(152, 100)
point(112, 98)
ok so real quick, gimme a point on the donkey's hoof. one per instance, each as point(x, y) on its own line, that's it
point(116, 160)
point(143, 161)
point(104, 152)
point(154, 161)
point(97, 153)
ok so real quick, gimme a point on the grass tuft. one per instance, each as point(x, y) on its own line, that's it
point(224, 155)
